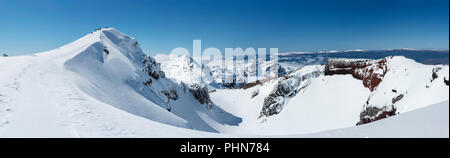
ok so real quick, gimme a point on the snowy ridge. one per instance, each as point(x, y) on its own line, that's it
point(82, 88)
point(103, 85)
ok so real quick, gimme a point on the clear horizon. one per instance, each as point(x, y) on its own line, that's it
point(27, 27)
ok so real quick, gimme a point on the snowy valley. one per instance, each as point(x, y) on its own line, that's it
point(104, 85)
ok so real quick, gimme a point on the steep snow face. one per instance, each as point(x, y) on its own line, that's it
point(117, 62)
point(111, 63)
point(100, 85)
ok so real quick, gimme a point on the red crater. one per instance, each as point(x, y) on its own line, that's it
point(371, 72)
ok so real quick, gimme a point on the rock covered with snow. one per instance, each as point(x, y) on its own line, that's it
point(405, 85)
point(200, 93)
point(287, 87)
point(152, 68)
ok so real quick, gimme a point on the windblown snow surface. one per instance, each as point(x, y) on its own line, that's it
point(100, 86)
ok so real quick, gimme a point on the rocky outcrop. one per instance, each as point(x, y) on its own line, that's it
point(152, 68)
point(106, 51)
point(273, 104)
point(287, 87)
point(200, 93)
point(446, 81)
point(170, 94)
point(371, 72)
point(255, 93)
point(233, 81)
point(239, 78)
point(397, 98)
point(370, 114)
point(434, 73)
point(280, 70)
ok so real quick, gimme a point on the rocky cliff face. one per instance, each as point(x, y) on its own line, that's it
point(371, 72)
point(152, 68)
point(287, 87)
point(201, 94)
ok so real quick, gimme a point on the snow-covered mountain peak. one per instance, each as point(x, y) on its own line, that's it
point(107, 70)
point(183, 68)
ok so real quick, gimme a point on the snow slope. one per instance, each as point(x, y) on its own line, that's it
point(103, 85)
point(94, 87)
point(327, 102)
point(316, 108)
point(428, 122)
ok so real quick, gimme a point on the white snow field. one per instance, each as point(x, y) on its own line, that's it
point(103, 85)
point(427, 122)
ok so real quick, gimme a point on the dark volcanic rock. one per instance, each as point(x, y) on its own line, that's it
point(200, 93)
point(374, 113)
point(152, 68)
point(273, 104)
point(446, 81)
point(287, 87)
point(434, 74)
point(106, 51)
point(370, 114)
point(397, 98)
point(171, 95)
point(148, 82)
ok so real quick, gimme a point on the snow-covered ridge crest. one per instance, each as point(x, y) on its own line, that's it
point(114, 61)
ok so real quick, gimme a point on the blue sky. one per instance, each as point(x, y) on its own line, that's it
point(29, 26)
